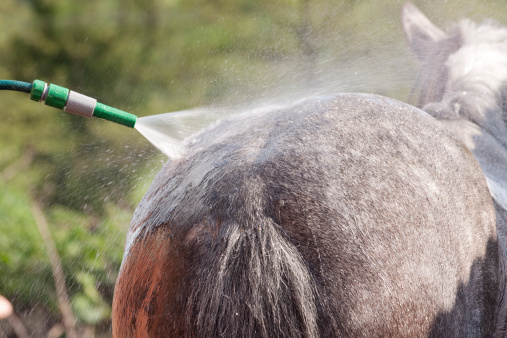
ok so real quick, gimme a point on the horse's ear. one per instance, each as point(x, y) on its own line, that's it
point(421, 33)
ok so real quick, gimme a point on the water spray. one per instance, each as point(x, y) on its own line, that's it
point(69, 101)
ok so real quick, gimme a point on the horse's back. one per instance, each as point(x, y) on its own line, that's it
point(350, 216)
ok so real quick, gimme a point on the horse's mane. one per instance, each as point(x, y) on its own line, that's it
point(479, 67)
point(465, 76)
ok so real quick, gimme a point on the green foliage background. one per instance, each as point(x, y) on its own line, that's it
point(149, 57)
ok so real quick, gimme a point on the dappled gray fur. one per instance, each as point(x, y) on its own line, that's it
point(349, 216)
point(470, 99)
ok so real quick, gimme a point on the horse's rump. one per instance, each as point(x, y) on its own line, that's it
point(355, 215)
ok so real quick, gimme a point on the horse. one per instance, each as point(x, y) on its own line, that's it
point(463, 84)
point(350, 215)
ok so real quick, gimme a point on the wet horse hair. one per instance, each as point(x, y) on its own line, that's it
point(354, 215)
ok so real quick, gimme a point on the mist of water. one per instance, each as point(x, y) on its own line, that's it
point(385, 74)
point(167, 131)
point(338, 64)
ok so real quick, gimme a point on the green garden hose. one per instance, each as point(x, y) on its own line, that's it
point(69, 101)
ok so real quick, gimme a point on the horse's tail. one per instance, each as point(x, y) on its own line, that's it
point(253, 282)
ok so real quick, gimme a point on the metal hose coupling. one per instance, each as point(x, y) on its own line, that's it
point(79, 104)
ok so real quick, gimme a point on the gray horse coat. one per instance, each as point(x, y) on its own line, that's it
point(354, 215)
point(463, 83)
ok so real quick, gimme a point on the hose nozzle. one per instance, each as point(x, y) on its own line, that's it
point(79, 104)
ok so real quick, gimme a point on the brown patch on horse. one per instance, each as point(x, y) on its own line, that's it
point(148, 284)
